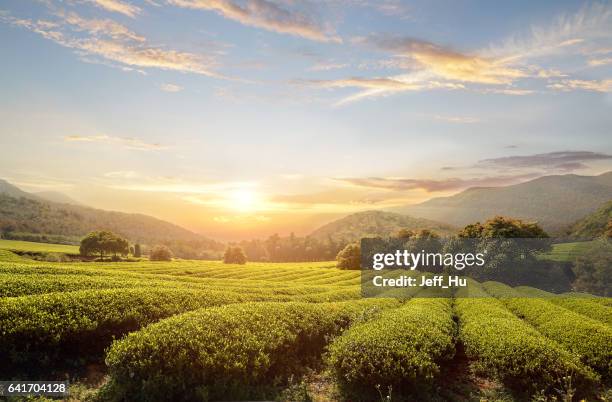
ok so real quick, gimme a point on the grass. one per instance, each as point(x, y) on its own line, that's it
point(28, 246)
point(564, 252)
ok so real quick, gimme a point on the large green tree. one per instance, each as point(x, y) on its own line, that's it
point(103, 242)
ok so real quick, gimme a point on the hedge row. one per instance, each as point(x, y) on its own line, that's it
point(585, 306)
point(590, 339)
point(230, 352)
point(48, 330)
point(505, 347)
point(403, 348)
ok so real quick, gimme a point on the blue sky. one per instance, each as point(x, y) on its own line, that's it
point(239, 118)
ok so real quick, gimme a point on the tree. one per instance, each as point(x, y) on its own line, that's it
point(234, 255)
point(502, 227)
point(404, 234)
point(137, 250)
point(349, 257)
point(161, 253)
point(101, 242)
point(593, 270)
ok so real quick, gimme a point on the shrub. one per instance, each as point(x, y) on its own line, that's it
point(45, 330)
point(161, 253)
point(589, 339)
point(231, 352)
point(137, 250)
point(512, 351)
point(234, 255)
point(349, 257)
point(586, 306)
point(402, 349)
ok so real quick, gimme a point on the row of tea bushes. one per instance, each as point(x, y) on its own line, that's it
point(507, 348)
point(588, 338)
point(237, 351)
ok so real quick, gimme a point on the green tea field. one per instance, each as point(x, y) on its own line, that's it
point(204, 330)
point(28, 246)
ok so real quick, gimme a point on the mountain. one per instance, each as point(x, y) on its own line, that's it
point(56, 196)
point(376, 223)
point(25, 213)
point(11, 190)
point(593, 225)
point(553, 201)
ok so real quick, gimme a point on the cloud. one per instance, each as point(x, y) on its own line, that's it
point(170, 88)
point(585, 85)
point(432, 185)
point(113, 42)
point(122, 174)
point(457, 119)
point(563, 160)
point(495, 69)
point(98, 27)
point(327, 66)
point(600, 62)
point(128, 143)
point(264, 14)
point(117, 6)
point(563, 35)
point(450, 64)
point(381, 86)
point(507, 91)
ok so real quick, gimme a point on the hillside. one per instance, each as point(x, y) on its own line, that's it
point(375, 223)
point(553, 201)
point(55, 196)
point(593, 225)
point(22, 212)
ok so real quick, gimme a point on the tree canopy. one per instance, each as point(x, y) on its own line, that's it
point(234, 255)
point(103, 242)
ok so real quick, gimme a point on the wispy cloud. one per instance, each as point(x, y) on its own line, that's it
point(600, 61)
point(435, 185)
point(114, 42)
point(562, 160)
point(564, 34)
point(128, 143)
point(450, 64)
point(511, 67)
point(99, 27)
point(381, 86)
point(117, 6)
point(327, 66)
point(457, 119)
point(265, 14)
point(170, 88)
point(586, 85)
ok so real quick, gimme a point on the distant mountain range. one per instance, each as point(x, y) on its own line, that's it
point(11, 190)
point(376, 223)
point(25, 212)
point(553, 201)
point(593, 225)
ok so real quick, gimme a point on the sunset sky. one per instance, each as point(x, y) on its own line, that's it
point(240, 118)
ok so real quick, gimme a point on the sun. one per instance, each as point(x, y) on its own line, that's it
point(244, 200)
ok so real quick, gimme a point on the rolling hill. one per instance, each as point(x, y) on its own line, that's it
point(553, 201)
point(593, 225)
point(376, 223)
point(23, 212)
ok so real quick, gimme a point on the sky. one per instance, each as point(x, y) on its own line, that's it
point(241, 118)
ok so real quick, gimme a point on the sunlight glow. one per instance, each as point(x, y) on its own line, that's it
point(244, 200)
